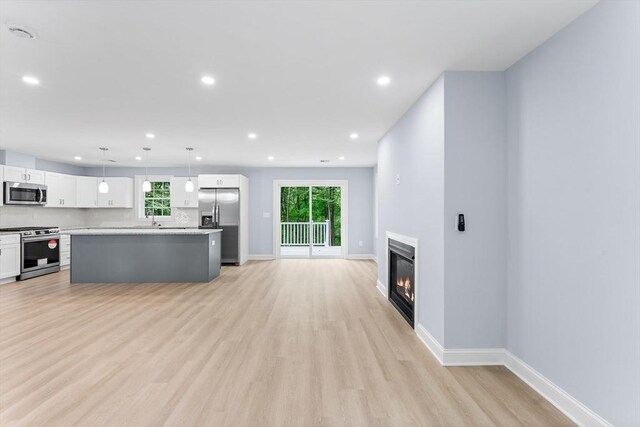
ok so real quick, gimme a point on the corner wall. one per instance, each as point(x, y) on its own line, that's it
point(411, 198)
point(449, 153)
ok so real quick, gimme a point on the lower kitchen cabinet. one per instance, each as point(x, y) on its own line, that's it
point(9, 256)
point(65, 250)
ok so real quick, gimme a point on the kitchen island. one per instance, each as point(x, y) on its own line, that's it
point(144, 255)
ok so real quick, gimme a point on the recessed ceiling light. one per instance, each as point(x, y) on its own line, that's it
point(30, 80)
point(383, 80)
point(341, 158)
point(138, 158)
point(354, 136)
point(150, 135)
point(77, 157)
point(198, 158)
point(270, 158)
point(252, 135)
point(208, 80)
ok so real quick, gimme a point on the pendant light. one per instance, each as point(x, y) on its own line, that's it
point(146, 185)
point(103, 187)
point(189, 184)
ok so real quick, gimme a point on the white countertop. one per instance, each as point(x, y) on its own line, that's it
point(138, 231)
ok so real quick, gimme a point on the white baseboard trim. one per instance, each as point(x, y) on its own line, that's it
point(361, 256)
point(382, 288)
point(430, 342)
point(7, 280)
point(559, 398)
point(473, 357)
point(260, 257)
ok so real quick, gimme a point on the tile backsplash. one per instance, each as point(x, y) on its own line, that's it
point(23, 216)
point(128, 217)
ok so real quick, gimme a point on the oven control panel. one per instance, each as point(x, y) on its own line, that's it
point(40, 232)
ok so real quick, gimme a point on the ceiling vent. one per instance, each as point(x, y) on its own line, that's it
point(21, 32)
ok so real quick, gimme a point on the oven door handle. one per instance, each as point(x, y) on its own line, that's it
point(43, 237)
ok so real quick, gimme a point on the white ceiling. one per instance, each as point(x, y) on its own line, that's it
point(300, 74)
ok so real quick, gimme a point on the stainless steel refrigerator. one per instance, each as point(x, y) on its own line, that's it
point(219, 208)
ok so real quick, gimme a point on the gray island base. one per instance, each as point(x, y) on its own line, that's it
point(144, 256)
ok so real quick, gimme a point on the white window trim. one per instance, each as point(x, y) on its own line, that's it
point(139, 194)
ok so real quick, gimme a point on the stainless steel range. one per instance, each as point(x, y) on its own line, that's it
point(40, 250)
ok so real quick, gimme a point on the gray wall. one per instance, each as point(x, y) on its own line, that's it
point(450, 152)
point(475, 184)
point(414, 149)
point(574, 209)
point(261, 199)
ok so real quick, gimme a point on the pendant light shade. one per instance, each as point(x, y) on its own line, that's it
point(146, 185)
point(103, 187)
point(188, 186)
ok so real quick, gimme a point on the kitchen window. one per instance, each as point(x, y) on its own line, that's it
point(156, 202)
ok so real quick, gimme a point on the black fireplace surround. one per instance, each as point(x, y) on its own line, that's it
point(401, 278)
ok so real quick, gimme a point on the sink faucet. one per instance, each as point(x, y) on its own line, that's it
point(153, 219)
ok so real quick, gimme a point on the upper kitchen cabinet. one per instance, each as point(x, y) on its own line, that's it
point(180, 198)
point(61, 190)
point(120, 193)
point(18, 174)
point(86, 192)
point(219, 181)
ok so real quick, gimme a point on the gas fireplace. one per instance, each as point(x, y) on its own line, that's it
point(402, 278)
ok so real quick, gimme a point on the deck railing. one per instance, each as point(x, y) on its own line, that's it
point(299, 233)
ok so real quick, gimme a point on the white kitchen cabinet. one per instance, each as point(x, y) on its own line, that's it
point(61, 190)
point(18, 174)
point(219, 181)
point(180, 198)
point(86, 192)
point(9, 256)
point(65, 250)
point(120, 193)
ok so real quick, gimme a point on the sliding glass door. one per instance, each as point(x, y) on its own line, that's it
point(310, 221)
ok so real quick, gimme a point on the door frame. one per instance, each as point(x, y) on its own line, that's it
point(344, 209)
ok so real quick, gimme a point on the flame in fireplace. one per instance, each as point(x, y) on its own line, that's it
point(405, 284)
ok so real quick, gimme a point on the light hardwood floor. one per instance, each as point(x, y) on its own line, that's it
point(272, 343)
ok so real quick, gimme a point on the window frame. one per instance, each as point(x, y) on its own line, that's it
point(140, 196)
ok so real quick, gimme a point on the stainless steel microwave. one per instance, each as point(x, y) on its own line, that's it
point(20, 193)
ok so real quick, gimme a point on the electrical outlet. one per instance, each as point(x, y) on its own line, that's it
point(360, 243)
point(266, 214)
point(398, 179)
